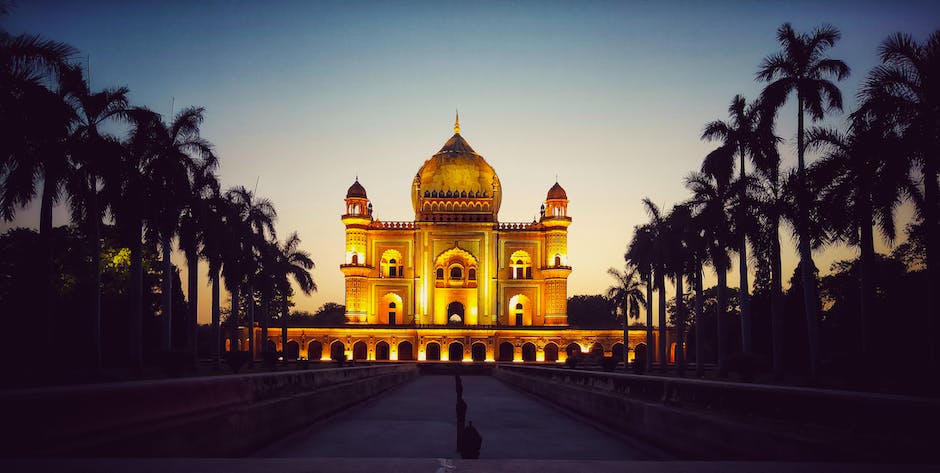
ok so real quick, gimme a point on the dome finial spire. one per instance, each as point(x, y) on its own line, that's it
point(457, 123)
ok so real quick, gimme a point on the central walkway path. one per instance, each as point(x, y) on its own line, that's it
point(418, 419)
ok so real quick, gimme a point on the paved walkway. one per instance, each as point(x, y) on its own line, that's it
point(418, 420)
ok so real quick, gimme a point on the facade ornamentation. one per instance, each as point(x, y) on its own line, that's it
point(456, 281)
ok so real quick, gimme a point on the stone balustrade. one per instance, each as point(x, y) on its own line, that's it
point(204, 416)
point(714, 419)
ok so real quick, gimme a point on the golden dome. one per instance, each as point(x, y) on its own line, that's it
point(456, 184)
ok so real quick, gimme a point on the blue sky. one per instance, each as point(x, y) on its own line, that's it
point(609, 96)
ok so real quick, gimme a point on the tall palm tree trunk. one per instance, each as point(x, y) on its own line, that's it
point(284, 313)
point(264, 325)
point(192, 278)
point(167, 314)
point(806, 255)
point(94, 248)
point(867, 286)
point(663, 341)
point(680, 324)
point(649, 322)
point(744, 294)
point(720, 315)
point(47, 274)
point(932, 222)
point(776, 297)
point(216, 320)
point(699, 338)
point(626, 338)
point(136, 293)
point(234, 321)
point(251, 322)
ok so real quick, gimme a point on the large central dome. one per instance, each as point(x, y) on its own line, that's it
point(456, 184)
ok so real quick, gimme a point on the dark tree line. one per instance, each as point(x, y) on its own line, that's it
point(139, 190)
point(741, 198)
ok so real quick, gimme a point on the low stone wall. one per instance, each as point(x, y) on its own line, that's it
point(210, 416)
point(700, 419)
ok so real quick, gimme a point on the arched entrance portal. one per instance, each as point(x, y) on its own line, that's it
point(455, 313)
point(528, 352)
point(551, 352)
point(505, 352)
point(314, 351)
point(293, 350)
point(455, 352)
point(337, 351)
point(405, 351)
point(573, 349)
point(478, 352)
point(381, 351)
point(360, 351)
point(432, 352)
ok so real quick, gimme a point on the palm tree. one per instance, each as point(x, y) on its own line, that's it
point(290, 262)
point(95, 156)
point(35, 121)
point(770, 203)
point(204, 186)
point(712, 193)
point(679, 226)
point(801, 67)
point(626, 293)
point(905, 87)
point(213, 235)
point(251, 224)
point(743, 134)
point(866, 186)
point(660, 231)
point(640, 255)
point(696, 245)
point(178, 151)
point(127, 194)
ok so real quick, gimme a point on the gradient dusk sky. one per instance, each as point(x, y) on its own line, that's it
point(611, 97)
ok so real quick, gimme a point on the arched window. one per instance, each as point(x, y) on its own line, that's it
point(557, 260)
point(440, 274)
point(472, 274)
point(456, 273)
point(520, 265)
point(355, 258)
point(393, 268)
point(518, 313)
point(391, 313)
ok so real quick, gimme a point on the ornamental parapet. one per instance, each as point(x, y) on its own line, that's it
point(393, 225)
point(517, 226)
point(555, 272)
point(356, 269)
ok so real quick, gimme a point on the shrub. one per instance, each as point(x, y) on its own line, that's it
point(269, 359)
point(747, 365)
point(236, 359)
point(176, 362)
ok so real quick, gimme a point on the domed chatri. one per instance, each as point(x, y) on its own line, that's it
point(456, 184)
point(356, 191)
point(557, 193)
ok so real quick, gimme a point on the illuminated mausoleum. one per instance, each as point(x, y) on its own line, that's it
point(455, 283)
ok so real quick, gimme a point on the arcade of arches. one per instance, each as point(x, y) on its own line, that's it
point(445, 344)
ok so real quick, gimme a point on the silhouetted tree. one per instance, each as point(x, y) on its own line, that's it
point(801, 67)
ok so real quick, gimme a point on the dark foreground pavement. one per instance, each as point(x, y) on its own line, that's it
point(429, 465)
point(418, 420)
